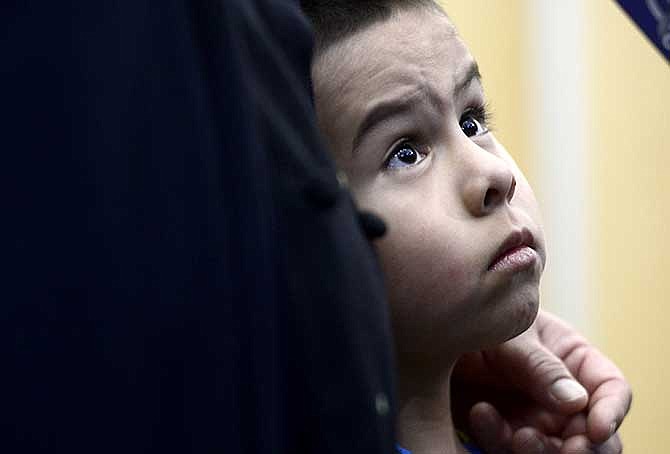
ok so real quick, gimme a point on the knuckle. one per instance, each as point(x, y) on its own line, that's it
point(543, 365)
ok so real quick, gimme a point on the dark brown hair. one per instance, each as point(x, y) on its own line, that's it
point(334, 20)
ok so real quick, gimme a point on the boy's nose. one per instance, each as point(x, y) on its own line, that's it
point(489, 189)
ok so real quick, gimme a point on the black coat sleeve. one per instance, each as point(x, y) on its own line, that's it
point(185, 274)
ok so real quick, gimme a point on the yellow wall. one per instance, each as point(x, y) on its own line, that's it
point(628, 193)
point(630, 102)
point(480, 23)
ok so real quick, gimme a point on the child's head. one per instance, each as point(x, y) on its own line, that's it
point(400, 102)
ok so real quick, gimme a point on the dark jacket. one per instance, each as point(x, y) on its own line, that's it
point(186, 274)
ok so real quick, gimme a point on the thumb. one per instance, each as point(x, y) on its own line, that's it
point(536, 371)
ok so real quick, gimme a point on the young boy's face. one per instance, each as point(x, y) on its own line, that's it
point(401, 105)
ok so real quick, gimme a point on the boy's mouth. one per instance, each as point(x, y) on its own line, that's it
point(515, 253)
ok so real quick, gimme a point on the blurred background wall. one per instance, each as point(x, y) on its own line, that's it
point(582, 100)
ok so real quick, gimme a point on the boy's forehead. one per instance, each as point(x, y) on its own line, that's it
point(415, 35)
point(412, 51)
point(410, 44)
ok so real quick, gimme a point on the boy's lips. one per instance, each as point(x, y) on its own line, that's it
point(516, 251)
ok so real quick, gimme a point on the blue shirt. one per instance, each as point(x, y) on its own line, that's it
point(472, 449)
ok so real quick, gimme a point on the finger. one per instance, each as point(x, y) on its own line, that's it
point(575, 431)
point(489, 430)
point(611, 446)
point(556, 443)
point(611, 396)
point(529, 441)
point(610, 403)
point(543, 374)
point(534, 416)
point(575, 426)
point(610, 393)
point(579, 444)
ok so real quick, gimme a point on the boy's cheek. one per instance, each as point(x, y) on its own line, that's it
point(422, 269)
point(423, 296)
point(525, 198)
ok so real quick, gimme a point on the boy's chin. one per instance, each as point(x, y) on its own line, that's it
point(523, 314)
point(512, 318)
point(495, 324)
point(526, 318)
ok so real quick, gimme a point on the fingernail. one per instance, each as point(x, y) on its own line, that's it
point(538, 446)
point(566, 390)
point(532, 444)
point(612, 429)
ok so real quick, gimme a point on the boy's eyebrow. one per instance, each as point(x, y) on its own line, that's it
point(471, 74)
point(396, 106)
point(381, 112)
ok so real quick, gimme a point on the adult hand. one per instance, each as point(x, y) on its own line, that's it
point(548, 389)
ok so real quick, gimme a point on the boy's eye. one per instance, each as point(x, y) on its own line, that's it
point(404, 155)
point(471, 125)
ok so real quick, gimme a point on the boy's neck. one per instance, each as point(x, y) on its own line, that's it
point(424, 423)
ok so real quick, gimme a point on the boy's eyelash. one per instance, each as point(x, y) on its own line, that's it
point(482, 113)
